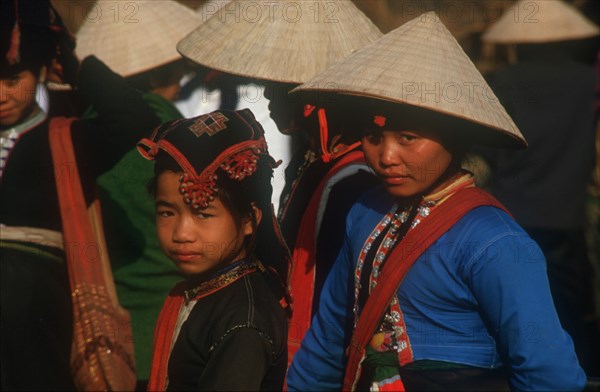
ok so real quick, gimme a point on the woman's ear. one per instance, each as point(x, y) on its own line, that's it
point(251, 224)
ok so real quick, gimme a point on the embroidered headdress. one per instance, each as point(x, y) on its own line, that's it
point(221, 143)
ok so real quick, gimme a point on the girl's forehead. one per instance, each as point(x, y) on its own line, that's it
point(167, 184)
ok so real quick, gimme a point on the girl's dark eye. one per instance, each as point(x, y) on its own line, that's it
point(163, 213)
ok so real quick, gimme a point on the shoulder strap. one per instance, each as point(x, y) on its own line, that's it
point(399, 262)
point(163, 336)
point(100, 358)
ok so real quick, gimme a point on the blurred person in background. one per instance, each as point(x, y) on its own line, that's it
point(549, 92)
point(137, 40)
point(37, 318)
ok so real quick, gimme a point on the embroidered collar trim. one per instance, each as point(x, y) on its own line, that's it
point(223, 279)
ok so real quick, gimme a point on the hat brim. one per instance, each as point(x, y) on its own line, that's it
point(476, 132)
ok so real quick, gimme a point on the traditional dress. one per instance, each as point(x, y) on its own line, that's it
point(141, 44)
point(439, 288)
point(315, 203)
point(225, 333)
point(450, 313)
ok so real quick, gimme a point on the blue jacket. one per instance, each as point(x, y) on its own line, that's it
point(478, 296)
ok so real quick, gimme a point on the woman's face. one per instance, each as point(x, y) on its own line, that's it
point(199, 242)
point(284, 109)
point(17, 97)
point(408, 162)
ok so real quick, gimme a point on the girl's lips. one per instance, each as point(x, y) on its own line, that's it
point(185, 257)
point(396, 180)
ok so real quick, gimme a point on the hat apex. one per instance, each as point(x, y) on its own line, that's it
point(529, 21)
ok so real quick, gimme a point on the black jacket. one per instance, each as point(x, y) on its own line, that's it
point(233, 339)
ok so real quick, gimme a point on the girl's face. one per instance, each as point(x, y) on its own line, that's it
point(17, 97)
point(408, 162)
point(200, 242)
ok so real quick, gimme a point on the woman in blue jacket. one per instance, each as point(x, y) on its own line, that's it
point(436, 286)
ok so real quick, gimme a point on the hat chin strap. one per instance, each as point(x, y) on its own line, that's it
point(328, 156)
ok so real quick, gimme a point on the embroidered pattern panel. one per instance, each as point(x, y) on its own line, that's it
point(392, 334)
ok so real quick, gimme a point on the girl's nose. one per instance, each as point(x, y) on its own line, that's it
point(183, 231)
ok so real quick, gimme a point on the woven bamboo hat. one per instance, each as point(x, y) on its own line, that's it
point(134, 36)
point(544, 21)
point(283, 41)
point(209, 8)
point(420, 64)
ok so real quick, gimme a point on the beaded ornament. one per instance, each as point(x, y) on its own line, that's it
point(200, 190)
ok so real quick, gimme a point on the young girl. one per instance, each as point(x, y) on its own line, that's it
point(224, 327)
point(436, 287)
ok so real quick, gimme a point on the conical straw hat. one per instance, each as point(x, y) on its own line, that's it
point(210, 8)
point(134, 36)
point(530, 21)
point(421, 64)
point(283, 41)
